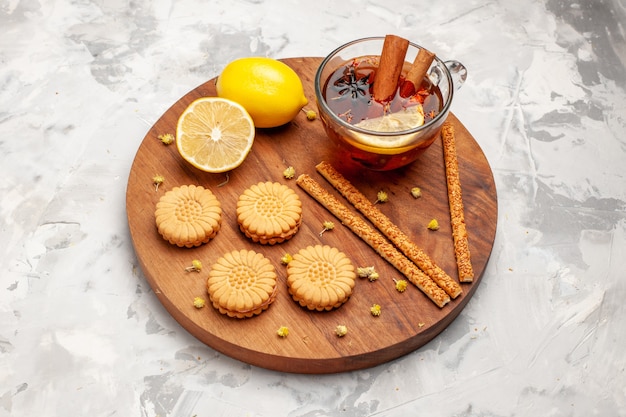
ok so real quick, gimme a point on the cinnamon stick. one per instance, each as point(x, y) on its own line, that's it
point(416, 74)
point(390, 67)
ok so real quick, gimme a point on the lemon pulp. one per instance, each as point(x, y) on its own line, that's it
point(214, 134)
point(405, 119)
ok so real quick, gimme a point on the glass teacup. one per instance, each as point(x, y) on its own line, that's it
point(337, 81)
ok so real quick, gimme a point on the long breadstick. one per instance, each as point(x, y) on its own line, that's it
point(457, 216)
point(389, 229)
point(375, 240)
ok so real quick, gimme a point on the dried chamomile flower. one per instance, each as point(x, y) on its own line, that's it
point(196, 266)
point(433, 224)
point(310, 114)
point(401, 285)
point(327, 225)
point(199, 302)
point(289, 173)
point(416, 192)
point(286, 258)
point(166, 138)
point(375, 310)
point(158, 180)
point(367, 272)
point(282, 331)
point(341, 330)
point(381, 197)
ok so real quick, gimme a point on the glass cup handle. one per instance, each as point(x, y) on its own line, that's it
point(458, 72)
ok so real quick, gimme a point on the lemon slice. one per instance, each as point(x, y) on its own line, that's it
point(406, 119)
point(214, 134)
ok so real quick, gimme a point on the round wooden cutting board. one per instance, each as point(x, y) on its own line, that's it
point(408, 319)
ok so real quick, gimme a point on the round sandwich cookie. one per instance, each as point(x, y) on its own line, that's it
point(188, 215)
point(320, 277)
point(242, 283)
point(269, 213)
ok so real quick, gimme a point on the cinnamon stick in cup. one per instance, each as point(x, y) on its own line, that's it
point(390, 67)
point(416, 74)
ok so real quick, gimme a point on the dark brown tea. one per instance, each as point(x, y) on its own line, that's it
point(348, 92)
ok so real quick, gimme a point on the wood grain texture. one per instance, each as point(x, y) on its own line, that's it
point(408, 320)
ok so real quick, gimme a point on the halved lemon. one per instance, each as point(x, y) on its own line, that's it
point(214, 134)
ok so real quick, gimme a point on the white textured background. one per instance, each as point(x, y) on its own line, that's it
point(82, 334)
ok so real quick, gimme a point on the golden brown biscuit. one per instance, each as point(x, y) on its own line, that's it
point(320, 277)
point(242, 284)
point(269, 212)
point(188, 216)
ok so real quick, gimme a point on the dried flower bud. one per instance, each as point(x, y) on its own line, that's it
point(433, 224)
point(166, 138)
point(381, 197)
point(327, 226)
point(401, 285)
point(196, 266)
point(416, 192)
point(311, 115)
point(341, 330)
point(286, 258)
point(375, 310)
point(289, 173)
point(365, 271)
point(199, 302)
point(282, 331)
point(158, 180)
